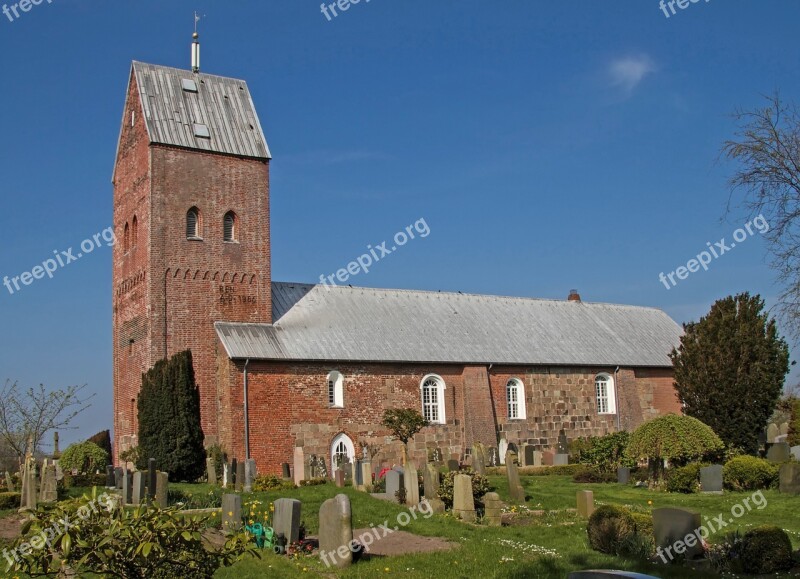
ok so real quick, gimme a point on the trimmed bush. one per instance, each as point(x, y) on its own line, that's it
point(606, 453)
point(271, 482)
point(85, 457)
point(766, 549)
point(749, 473)
point(644, 523)
point(480, 486)
point(593, 474)
point(83, 480)
point(10, 500)
point(684, 479)
point(609, 527)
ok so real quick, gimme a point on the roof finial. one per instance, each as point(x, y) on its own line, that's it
point(196, 46)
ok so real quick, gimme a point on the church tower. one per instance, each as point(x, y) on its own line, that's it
point(191, 213)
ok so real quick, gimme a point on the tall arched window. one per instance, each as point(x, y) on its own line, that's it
point(134, 232)
point(126, 238)
point(342, 451)
point(432, 388)
point(229, 232)
point(193, 224)
point(335, 390)
point(515, 397)
point(606, 394)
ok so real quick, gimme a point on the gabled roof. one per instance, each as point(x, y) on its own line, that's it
point(318, 323)
point(174, 116)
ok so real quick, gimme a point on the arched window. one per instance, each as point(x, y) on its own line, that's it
point(134, 232)
point(229, 232)
point(342, 451)
point(515, 396)
point(606, 394)
point(335, 390)
point(432, 387)
point(193, 224)
point(126, 238)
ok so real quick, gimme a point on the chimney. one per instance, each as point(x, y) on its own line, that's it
point(574, 296)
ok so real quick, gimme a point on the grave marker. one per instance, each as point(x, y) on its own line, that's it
point(162, 486)
point(49, 491)
point(394, 482)
point(286, 519)
point(492, 509)
point(430, 481)
point(299, 463)
point(336, 532)
point(514, 486)
point(139, 493)
point(789, 478)
point(623, 475)
point(231, 512)
point(240, 476)
point(411, 481)
point(585, 504)
point(672, 524)
point(479, 458)
point(711, 479)
point(152, 479)
point(463, 502)
point(211, 471)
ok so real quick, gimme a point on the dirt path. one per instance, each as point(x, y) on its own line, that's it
point(11, 526)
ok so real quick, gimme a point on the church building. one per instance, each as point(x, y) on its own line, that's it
point(281, 365)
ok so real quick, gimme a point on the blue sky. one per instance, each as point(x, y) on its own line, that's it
point(547, 145)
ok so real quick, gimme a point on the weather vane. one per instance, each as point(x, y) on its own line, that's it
point(196, 20)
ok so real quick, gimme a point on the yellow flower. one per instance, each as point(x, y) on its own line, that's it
point(230, 513)
point(386, 569)
point(649, 502)
point(250, 522)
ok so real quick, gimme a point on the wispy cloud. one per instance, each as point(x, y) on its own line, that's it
point(627, 72)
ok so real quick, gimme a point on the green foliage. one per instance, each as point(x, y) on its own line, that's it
point(764, 550)
point(9, 500)
point(730, 368)
point(83, 480)
point(749, 473)
point(193, 500)
point(684, 479)
point(312, 482)
point(607, 453)
point(609, 527)
point(220, 458)
point(131, 455)
point(103, 440)
point(128, 543)
point(564, 469)
point(794, 424)
point(85, 457)
point(169, 419)
point(678, 439)
point(403, 423)
point(271, 482)
point(480, 485)
point(593, 474)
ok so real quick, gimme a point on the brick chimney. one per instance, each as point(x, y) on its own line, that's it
point(574, 296)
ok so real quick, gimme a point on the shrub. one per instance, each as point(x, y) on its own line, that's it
point(187, 500)
point(85, 457)
point(684, 479)
point(561, 470)
point(312, 482)
point(271, 483)
point(749, 473)
point(794, 423)
point(644, 523)
point(103, 440)
point(609, 527)
point(593, 474)
point(766, 550)
point(480, 486)
point(220, 458)
point(83, 480)
point(607, 453)
point(10, 500)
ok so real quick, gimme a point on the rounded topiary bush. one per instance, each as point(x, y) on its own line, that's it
point(684, 479)
point(609, 528)
point(84, 457)
point(765, 550)
point(749, 473)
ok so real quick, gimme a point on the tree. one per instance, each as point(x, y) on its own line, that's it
point(767, 148)
point(85, 457)
point(404, 423)
point(169, 419)
point(678, 439)
point(729, 369)
point(26, 417)
point(103, 440)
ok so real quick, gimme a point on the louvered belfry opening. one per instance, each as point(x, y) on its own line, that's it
point(192, 223)
point(229, 227)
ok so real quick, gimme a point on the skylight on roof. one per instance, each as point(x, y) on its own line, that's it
point(201, 131)
point(189, 85)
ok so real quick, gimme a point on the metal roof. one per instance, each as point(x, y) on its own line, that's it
point(315, 323)
point(172, 111)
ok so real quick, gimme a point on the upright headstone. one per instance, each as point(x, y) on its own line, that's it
point(322, 469)
point(366, 474)
point(563, 443)
point(10, 483)
point(779, 452)
point(152, 479)
point(162, 488)
point(240, 476)
point(231, 512)
point(287, 474)
point(286, 519)
point(29, 499)
point(127, 487)
point(235, 480)
point(491, 456)
point(430, 481)
point(336, 532)
point(110, 480)
point(411, 481)
point(492, 509)
point(118, 472)
point(463, 502)
point(773, 432)
point(623, 475)
point(438, 457)
point(711, 479)
point(299, 464)
point(226, 475)
point(789, 478)
point(479, 458)
point(338, 477)
point(49, 491)
point(547, 458)
point(528, 451)
point(585, 504)
point(394, 482)
point(139, 493)
point(452, 465)
point(249, 474)
point(795, 450)
point(783, 429)
point(537, 458)
point(211, 470)
point(672, 524)
point(514, 485)
point(59, 470)
point(560, 460)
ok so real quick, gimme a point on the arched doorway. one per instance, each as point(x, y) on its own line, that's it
point(342, 450)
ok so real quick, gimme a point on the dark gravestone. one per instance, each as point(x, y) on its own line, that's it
point(286, 474)
point(152, 479)
point(673, 528)
point(452, 465)
point(118, 472)
point(231, 512)
point(623, 475)
point(711, 479)
point(286, 519)
point(779, 452)
point(790, 478)
point(563, 443)
point(529, 458)
point(338, 478)
point(359, 474)
point(110, 479)
point(240, 476)
point(234, 473)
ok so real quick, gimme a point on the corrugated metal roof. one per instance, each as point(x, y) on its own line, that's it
point(314, 322)
point(222, 104)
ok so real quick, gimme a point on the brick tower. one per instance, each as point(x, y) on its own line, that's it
point(191, 213)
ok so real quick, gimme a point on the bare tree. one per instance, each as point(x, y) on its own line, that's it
point(767, 148)
point(26, 417)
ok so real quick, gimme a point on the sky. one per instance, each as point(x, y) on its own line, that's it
point(547, 146)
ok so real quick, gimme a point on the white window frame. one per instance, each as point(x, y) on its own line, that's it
point(605, 394)
point(347, 443)
point(198, 232)
point(516, 408)
point(433, 411)
point(335, 389)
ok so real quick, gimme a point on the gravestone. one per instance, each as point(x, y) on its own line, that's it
point(249, 474)
point(127, 487)
point(479, 458)
point(411, 481)
point(492, 509)
point(529, 455)
point(240, 476)
point(347, 467)
point(310, 467)
point(437, 457)
point(226, 475)
point(784, 429)
point(711, 479)
point(231, 512)
point(321, 468)
point(211, 471)
point(452, 465)
point(287, 474)
point(338, 477)
point(366, 474)
point(162, 487)
point(795, 450)
point(286, 519)
point(789, 478)
point(672, 524)
point(49, 491)
point(773, 432)
point(585, 504)
point(358, 475)
point(547, 458)
point(139, 493)
point(463, 502)
point(623, 475)
point(491, 456)
point(59, 471)
point(336, 532)
point(394, 482)
point(563, 443)
point(430, 481)
point(779, 452)
point(560, 460)
point(436, 506)
point(118, 477)
point(29, 499)
point(299, 464)
point(10, 483)
point(514, 486)
point(152, 479)
point(110, 480)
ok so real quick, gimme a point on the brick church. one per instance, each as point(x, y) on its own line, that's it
point(281, 365)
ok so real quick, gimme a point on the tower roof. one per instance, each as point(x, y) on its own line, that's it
point(199, 111)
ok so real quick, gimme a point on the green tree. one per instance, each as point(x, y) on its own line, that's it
point(794, 423)
point(86, 457)
point(103, 440)
point(169, 419)
point(729, 369)
point(404, 423)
